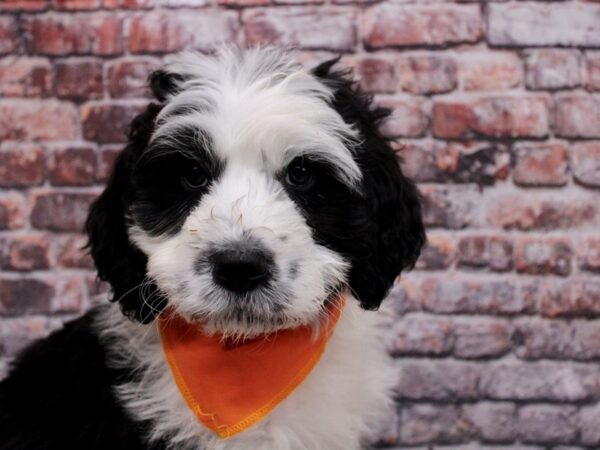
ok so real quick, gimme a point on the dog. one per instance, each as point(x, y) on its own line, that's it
point(251, 193)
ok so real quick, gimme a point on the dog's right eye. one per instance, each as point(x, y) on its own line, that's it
point(195, 178)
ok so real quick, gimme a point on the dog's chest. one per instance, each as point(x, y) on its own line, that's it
point(343, 401)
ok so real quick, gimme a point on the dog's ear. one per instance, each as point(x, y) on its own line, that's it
point(117, 260)
point(393, 202)
point(164, 84)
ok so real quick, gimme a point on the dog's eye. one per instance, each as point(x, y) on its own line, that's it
point(195, 178)
point(298, 173)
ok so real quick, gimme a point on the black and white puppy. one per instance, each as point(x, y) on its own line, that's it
point(248, 195)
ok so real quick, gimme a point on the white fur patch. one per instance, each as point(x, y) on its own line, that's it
point(341, 404)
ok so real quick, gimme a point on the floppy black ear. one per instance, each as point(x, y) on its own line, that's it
point(117, 260)
point(164, 84)
point(393, 202)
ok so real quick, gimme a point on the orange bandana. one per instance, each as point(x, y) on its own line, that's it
point(231, 387)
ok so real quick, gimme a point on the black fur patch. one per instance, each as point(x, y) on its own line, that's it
point(60, 397)
point(381, 232)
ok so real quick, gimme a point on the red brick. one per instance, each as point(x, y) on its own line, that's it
point(247, 3)
point(575, 298)
point(73, 5)
point(72, 166)
point(301, 27)
point(9, 35)
point(23, 5)
point(25, 77)
point(376, 73)
point(524, 116)
point(431, 161)
point(408, 118)
point(23, 296)
point(537, 212)
point(108, 154)
point(27, 252)
point(472, 296)
point(589, 254)
point(427, 74)
point(548, 424)
point(593, 71)
point(60, 211)
point(424, 423)
point(437, 380)
point(590, 425)
point(543, 256)
point(16, 333)
point(437, 254)
point(553, 69)
point(544, 164)
point(449, 207)
point(392, 24)
point(556, 339)
point(585, 163)
point(495, 253)
point(134, 4)
point(108, 122)
point(12, 211)
point(421, 335)
point(489, 71)
point(70, 252)
point(543, 381)
point(62, 34)
point(70, 295)
point(28, 120)
point(577, 116)
point(129, 78)
point(21, 165)
point(534, 23)
point(169, 31)
point(403, 297)
point(493, 422)
point(177, 3)
point(79, 79)
point(481, 338)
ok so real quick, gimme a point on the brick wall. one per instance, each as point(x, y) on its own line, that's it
point(497, 113)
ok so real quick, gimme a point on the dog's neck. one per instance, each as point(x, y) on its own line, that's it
point(340, 403)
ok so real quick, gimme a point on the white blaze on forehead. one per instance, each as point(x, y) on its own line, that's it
point(258, 108)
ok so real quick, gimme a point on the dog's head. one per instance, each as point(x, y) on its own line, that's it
point(250, 194)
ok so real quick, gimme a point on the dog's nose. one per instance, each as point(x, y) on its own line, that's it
point(241, 270)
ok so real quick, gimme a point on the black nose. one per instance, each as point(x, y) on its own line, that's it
point(241, 270)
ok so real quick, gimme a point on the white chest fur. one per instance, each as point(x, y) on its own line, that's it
point(341, 403)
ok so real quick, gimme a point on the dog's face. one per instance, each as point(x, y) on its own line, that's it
point(253, 193)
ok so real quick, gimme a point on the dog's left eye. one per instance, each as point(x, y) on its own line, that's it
point(195, 177)
point(298, 173)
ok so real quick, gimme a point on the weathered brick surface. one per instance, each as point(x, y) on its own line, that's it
point(21, 165)
point(168, 31)
point(300, 27)
point(486, 71)
point(495, 114)
point(522, 24)
point(64, 34)
point(516, 117)
point(553, 69)
point(60, 211)
point(79, 79)
point(577, 116)
point(541, 164)
point(29, 120)
point(25, 77)
point(395, 24)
